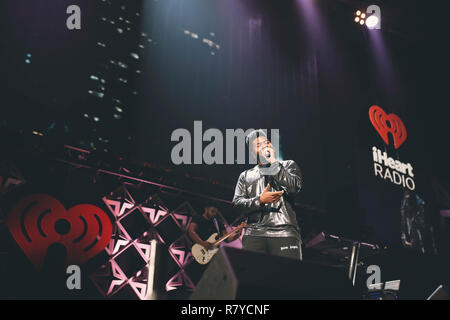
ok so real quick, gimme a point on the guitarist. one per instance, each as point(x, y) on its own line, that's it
point(264, 194)
point(204, 226)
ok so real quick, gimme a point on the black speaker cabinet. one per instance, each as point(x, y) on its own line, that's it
point(242, 274)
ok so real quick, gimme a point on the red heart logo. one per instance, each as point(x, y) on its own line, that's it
point(38, 221)
point(388, 123)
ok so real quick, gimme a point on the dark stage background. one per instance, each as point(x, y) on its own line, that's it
point(301, 66)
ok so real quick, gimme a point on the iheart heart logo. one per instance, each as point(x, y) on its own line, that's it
point(38, 221)
point(388, 123)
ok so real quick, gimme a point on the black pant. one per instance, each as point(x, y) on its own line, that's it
point(289, 247)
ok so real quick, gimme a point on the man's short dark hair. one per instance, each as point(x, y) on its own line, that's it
point(253, 135)
point(208, 205)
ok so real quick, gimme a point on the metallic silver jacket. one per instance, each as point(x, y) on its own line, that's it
point(269, 220)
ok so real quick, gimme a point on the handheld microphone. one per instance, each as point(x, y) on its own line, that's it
point(267, 153)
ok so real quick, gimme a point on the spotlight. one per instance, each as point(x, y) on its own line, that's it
point(360, 17)
point(372, 21)
point(371, 18)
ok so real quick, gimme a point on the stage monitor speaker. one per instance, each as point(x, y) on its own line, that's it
point(241, 274)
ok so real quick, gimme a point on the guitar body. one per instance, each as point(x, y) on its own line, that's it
point(203, 256)
point(200, 254)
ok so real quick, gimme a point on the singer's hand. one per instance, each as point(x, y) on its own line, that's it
point(270, 197)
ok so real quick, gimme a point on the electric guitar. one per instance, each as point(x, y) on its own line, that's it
point(202, 255)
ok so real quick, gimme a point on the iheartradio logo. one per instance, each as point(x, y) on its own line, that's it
point(38, 221)
point(386, 167)
point(388, 123)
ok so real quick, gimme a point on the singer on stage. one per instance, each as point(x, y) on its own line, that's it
point(265, 196)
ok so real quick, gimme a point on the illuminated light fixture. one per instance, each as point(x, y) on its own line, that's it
point(360, 17)
point(372, 22)
point(371, 18)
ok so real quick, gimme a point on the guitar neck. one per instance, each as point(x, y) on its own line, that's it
point(226, 236)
